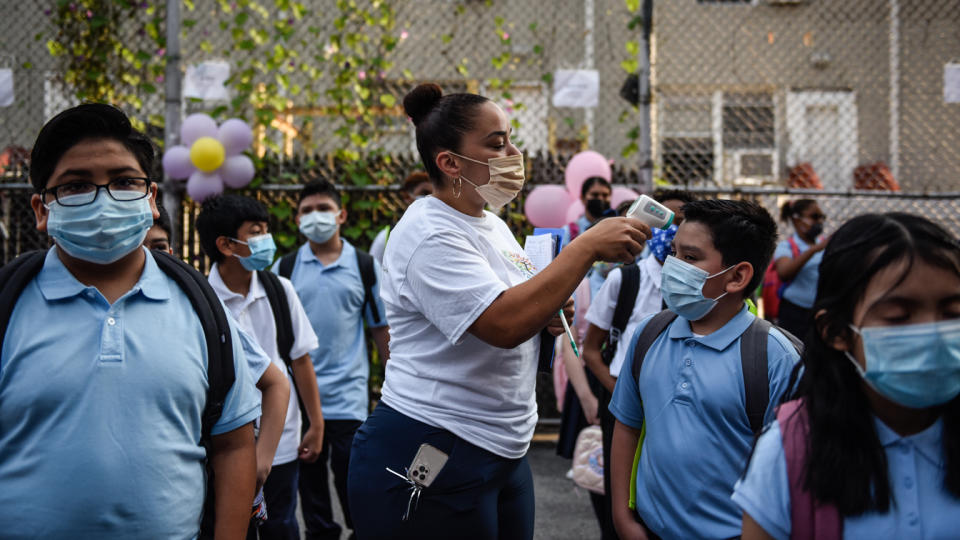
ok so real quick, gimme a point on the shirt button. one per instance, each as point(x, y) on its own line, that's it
point(912, 518)
point(684, 386)
point(689, 362)
point(111, 321)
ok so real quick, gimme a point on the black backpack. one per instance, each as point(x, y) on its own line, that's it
point(626, 300)
point(753, 359)
point(15, 276)
point(367, 275)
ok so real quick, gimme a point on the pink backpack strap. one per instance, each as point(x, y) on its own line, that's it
point(808, 519)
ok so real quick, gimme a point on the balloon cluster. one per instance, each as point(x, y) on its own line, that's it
point(210, 156)
point(555, 206)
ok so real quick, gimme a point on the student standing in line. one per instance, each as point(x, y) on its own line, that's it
point(797, 261)
point(104, 364)
point(692, 392)
point(158, 236)
point(869, 444)
point(339, 287)
point(465, 318)
point(234, 234)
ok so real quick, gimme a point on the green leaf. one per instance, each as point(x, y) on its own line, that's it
point(632, 5)
point(388, 100)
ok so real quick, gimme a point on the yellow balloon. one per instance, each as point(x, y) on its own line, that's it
point(207, 154)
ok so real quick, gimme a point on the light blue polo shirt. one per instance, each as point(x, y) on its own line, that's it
point(916, 467)
point(698, 435)
point(100, 410)
point(332, 296)
point(802, 291)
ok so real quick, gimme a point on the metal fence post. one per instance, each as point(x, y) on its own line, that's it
point(172, 190)
point(645, 153)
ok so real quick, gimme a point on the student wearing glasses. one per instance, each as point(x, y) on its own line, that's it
point(104, 366)
point(797, 261)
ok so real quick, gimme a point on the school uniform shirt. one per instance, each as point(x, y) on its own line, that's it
point(698, 436)
point(442, 270)
point(648, 302)
point(101, 406)
point(332, 297)
point(802, 291)
point(921, 507)
point(255, 317)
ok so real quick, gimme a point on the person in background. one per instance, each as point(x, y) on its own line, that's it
point(797, 261)
point(158, 236)
point(595, 195)
point(417, 185)
point(466, 313)
point(328, 275)
point(594, 386)
point(868, 446)
point(234, 233)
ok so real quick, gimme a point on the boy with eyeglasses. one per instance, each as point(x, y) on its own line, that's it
point(104, 362)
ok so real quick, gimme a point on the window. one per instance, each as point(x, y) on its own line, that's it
point(687, 160)
point(748, 121)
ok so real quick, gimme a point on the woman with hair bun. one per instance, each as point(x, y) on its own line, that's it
point(465, 311)
point(797, 261)
point(868, 445)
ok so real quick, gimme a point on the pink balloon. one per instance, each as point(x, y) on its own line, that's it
point(176, 163)
point(545, 206)
point(237, 171)
point(236, 136)
point(574, 211)
point(202, 185)
point(583, 166)
point(196, 126)
point(621, 195)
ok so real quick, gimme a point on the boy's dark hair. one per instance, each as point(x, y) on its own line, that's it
point(320, 187)
point(441, 122)
point(81, 123)
point(846, 464)
point(223, 215)
point(742, 231)
point(414, 179)
point(592, 181)
point(681, 195)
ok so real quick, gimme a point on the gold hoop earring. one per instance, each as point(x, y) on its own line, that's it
point(457, 187)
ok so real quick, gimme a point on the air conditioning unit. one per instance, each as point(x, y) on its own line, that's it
point(754, 167)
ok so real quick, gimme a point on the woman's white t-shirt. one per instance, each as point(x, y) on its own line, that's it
point(441, 270)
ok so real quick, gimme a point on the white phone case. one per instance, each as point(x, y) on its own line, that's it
point(426, 465)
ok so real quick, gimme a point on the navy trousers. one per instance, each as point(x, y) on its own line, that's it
point(315, 498)
point(477, 494)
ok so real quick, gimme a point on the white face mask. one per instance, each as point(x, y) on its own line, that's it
point(506, 179)
point(319, 226)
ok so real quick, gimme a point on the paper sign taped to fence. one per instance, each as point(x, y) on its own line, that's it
point(207, 81)
point(951, 83)
point(6, 87)
point(576, 88)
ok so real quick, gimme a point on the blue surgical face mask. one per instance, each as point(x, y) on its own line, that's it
point(319, 226)
point(682, 289)
point(917, 365)
point(101, 232)
point(262, 250)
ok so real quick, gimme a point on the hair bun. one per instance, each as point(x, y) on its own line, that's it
point(421, 100)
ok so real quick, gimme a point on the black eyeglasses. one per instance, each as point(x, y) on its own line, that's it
point(83, 193)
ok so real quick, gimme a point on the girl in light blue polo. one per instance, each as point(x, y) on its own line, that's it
point(869, 444)
point(797, 260)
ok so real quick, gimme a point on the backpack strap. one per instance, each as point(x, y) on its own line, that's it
point(753, 360)
point(574, 230)
point(280, 306)
point(14, 277)
point(216, 330)
point(286, 264)
point(369, 277)
point(626, 299)
point(655, 326)
point(809, 520)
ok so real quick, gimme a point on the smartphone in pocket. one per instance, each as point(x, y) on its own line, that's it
point(426, 465)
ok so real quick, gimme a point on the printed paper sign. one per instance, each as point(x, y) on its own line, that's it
point(206, 81)
point(576, 88)
point(6, 87)
point(951, 83)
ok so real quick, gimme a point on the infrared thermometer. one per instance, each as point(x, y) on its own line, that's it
point(651, 212)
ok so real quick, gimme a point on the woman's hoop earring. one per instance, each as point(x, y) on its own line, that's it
point(457, 188)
